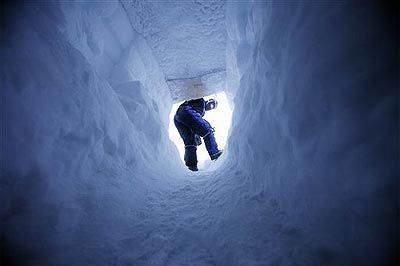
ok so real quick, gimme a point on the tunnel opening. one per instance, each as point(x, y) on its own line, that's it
point(220, 119)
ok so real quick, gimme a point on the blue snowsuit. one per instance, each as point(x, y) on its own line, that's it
point(189, 122)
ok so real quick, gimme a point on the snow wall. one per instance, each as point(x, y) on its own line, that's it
point(84, 111)
point(315, 124)
point(309, 175)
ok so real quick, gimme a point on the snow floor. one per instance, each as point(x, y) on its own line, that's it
point(182, 225)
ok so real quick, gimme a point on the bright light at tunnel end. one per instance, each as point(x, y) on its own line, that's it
point(219, 118)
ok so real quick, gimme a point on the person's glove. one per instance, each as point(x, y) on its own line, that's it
point(211, 104)
point(198, 140)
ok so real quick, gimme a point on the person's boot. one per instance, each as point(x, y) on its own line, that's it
point(191, 157)
point(212, 146)
point(193, 168)
point(216, 155)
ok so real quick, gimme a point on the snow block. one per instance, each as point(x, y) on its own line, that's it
point(198, 87)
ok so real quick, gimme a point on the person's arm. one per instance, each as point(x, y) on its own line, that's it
point(211, 104)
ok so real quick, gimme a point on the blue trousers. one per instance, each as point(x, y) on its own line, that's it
point(189, 124)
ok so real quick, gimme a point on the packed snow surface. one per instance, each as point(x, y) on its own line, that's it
point(188, 39)
point(89, 175)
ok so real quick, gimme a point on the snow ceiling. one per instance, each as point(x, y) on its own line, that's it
point(188, 38)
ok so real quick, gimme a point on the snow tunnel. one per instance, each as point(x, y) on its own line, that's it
point(309, 173)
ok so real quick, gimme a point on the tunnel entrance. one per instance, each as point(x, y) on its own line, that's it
point(219, 118)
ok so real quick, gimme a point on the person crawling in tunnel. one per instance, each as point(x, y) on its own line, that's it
point(191, 126)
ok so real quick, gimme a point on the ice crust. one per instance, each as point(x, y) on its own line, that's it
point(90, 177)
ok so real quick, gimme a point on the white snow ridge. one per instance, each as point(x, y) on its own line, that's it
point(309, 173)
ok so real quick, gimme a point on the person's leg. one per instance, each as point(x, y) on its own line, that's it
point(192, 119)
point(211, 145)
point(190, 144)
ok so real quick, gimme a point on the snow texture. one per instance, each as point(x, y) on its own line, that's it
point(310, 171)
point(188, 38)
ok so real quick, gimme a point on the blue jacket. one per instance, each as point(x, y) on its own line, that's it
point(199, 105)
